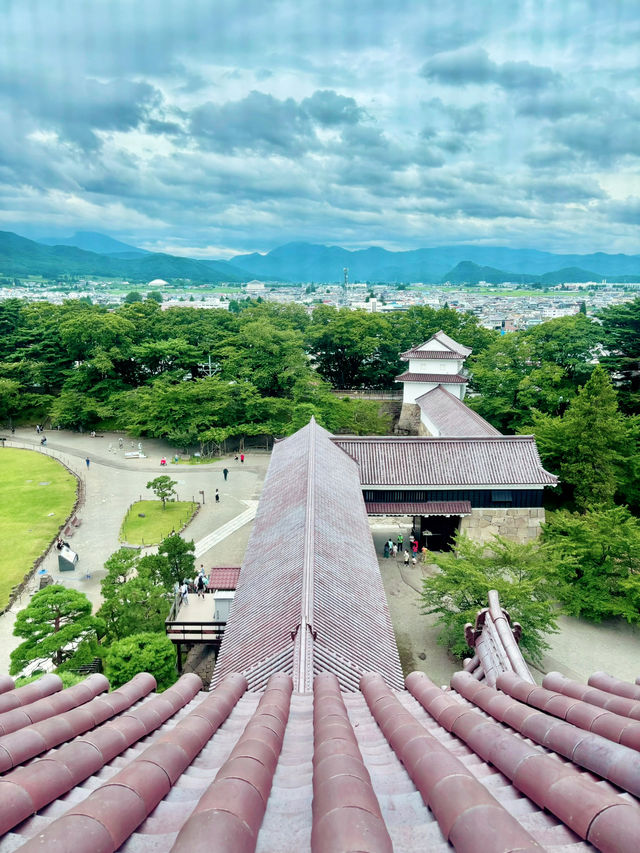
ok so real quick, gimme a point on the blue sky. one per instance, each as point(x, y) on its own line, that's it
point(215, 127)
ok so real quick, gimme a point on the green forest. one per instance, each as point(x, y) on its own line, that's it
point(197, 377)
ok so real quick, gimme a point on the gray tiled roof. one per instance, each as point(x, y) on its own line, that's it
point(451, 348)
point(461, 462)
point(296, 608)
point(407, 376)
point(451, 415)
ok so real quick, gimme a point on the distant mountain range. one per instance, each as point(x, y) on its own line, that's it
point(92, 241)
point(91, 253)
point(19, 256)
point(309, 262)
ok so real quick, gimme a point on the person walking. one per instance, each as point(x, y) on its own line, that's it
point(217, 496)
point(201, 585)
point(88, 461)
point(242, 457)
point(400, 541)
point(386, 550)
point(406, 558)
point(225, 472)
point(394, 550)
point(184, 593)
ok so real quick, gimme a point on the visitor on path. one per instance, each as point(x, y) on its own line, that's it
point(406, 558)
point(414, 546)
point(386, 550)
point(43, 441)
point(400, 541)
point(390, 544)
point(242, 457)
point(184, 593)
point(88, 461)
point(218, 496)
point(201, 586)
point(394, 550)
point(414, 560)
point(225, 472)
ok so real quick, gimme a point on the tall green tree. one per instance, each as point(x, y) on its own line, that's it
point(540, 369)
point(525, 577)
point(621, 327)
point(588, 446)
point(600, 572)
point(180, 559)
point(54, 623)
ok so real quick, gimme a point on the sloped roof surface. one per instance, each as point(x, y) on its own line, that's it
point(451, 416)
point(378, 769)
point(420, 508)
point(426, 462)
point(431, 377)
point(299, 608)
point(448, 348)
point(224, 578)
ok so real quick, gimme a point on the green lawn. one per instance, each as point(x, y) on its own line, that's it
point(36, 495)
point(157, 523)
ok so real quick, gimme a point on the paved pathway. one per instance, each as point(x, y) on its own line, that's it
point(112, 482)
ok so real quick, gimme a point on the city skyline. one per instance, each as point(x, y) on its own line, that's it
point(210, 132)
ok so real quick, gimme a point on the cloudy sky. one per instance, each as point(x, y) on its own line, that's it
point(214, 127)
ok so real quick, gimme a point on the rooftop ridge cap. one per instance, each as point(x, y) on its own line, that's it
point(303, 643)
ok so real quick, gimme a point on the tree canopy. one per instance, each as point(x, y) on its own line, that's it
point(144, 652)
point(53, 625)
point(525, 577)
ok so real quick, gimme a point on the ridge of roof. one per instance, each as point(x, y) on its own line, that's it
point(296, 603)
point(442, 338)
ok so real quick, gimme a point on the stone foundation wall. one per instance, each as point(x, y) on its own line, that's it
point(409, 421)
point(520, 525)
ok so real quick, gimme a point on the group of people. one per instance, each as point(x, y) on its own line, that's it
point(199, 584)
point(392, 549)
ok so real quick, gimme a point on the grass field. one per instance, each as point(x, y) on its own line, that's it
point(36, 495)
point(157, 523)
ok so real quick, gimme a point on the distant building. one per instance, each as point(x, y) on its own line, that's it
point(255, 286)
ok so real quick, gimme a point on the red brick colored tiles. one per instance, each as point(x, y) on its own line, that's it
point(41, 709)
point(6, 683)
point(592, 718)
point(26, 743)
point(346, 813)
point(27, 789)
point(604, 681)
point(576, 799)
point(610, 701)
point(44, 686)
point(229, 814)
point(467, 813)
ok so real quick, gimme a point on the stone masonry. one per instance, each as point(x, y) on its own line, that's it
point(518, 525)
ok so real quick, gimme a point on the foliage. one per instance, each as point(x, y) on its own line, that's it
point(69, 679)
point(180, 560)
point(53, 624)
point(525, 577)
point(163, 488)
point(600, 574)
point(138, 604)
point(537, 369)
point(621, 327)
point(589, 446)
point(144, 652)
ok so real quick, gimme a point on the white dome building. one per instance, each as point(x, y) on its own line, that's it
point(158, 282)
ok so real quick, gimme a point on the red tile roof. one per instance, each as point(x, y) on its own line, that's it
point(430, 462)
point(451, 416)
point(297, 608)
point(224, 578)
point(475, 767)
point(438, 378)
point(417, 508)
